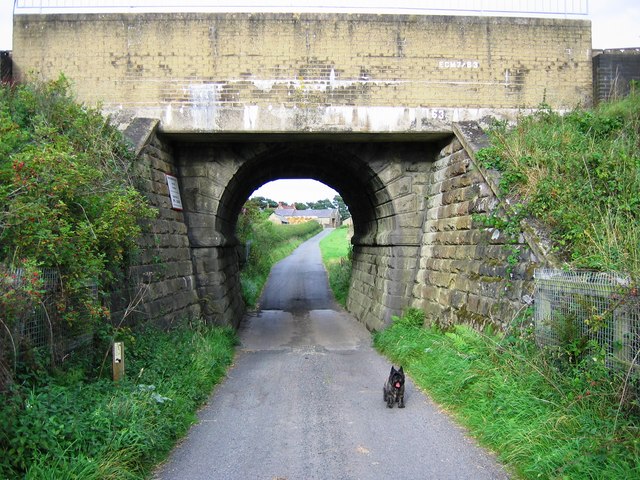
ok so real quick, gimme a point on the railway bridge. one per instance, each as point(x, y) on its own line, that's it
point(386, 109)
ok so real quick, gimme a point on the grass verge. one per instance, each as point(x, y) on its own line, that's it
point(65, 427)
point(578, 174)
point(336, 256)
point(544, 422)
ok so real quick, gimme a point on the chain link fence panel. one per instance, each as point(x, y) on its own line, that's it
point(575, 307)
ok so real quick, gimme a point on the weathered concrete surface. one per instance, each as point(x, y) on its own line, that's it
point(304, 401)
point(269, 72)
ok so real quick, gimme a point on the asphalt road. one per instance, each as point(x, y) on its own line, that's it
point(304, 401)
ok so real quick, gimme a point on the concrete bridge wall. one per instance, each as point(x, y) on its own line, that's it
point(309, 72)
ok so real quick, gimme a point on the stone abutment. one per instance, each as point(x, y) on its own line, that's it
point(417, 242)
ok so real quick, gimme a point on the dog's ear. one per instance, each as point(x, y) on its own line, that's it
point(401, 371)
point(392, 370)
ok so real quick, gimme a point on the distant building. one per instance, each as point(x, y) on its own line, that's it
point(285, 214)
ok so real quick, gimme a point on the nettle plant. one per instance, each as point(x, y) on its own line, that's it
point(67, 195)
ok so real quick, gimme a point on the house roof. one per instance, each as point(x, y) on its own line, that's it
point(325, 213)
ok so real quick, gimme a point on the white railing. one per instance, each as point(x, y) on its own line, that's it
point(422, 7)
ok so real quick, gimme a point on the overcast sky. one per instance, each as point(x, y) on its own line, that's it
point(615, 24)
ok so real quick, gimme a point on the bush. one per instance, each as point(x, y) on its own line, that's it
point(578, 175)
point(67, 198)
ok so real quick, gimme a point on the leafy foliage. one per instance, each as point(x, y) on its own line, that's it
point(67, 199)
point(267, 244)
point(579, 174)
point(337, 258)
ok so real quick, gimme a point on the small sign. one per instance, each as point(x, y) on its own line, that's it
point(174, 192)
point(446, 64)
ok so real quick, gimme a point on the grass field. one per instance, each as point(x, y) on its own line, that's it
point(545, 420)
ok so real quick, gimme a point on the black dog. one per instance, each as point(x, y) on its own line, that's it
point(394, 388)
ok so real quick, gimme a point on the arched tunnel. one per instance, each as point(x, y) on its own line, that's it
point(413, 199)
point(383, 183)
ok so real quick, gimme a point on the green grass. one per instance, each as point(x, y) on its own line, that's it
point(336, 250)
point(66, 426)
point(543, 422)
point(578, 174)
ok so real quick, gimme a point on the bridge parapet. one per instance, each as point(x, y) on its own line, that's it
point(283, 72)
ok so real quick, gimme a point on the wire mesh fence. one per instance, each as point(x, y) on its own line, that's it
point(576, 307)
point(40, 327)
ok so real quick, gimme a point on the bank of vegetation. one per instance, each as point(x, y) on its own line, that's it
point(69, 205)
point(577, 175)
point(562, 412)
point(337, 255)
point(545, 419)
point(73, 423)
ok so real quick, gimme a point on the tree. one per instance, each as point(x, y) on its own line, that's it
point(301, 206)
point(342, 207)
point(321, 204)
point(67, 195)
point(263, 202)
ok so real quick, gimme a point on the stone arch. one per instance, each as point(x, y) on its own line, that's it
point(415, 198)
point(381, 182)
point(343, 170)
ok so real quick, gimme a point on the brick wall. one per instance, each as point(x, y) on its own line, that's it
point(301, 72)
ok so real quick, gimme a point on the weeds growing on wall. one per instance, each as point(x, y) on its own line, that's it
point(63, 426)
point(579, 174)
point(543, 421)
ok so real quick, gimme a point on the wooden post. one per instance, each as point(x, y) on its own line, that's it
point(118, 360)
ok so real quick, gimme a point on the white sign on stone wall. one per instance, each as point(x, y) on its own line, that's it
point(174, 192)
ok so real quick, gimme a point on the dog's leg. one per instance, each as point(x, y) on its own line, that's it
point(401, 401)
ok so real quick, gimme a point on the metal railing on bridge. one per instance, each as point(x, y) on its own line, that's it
point(565, 8)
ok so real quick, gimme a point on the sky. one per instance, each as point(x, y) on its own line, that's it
point(614, 24)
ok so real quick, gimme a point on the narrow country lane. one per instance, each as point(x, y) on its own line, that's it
point(304, 401)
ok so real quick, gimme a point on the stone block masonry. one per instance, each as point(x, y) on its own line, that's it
point(272, 72)
point(416, 241)
point(368, 104)
point(162, 274)
point(464, 274)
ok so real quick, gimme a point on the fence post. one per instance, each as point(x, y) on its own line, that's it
point(118, 360)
